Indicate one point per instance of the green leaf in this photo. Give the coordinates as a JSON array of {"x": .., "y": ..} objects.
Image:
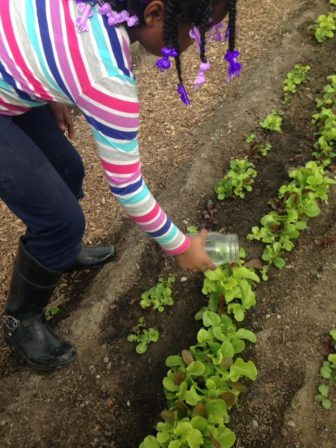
[
  {"x": 182, "y": 428},
  {"x": 333, "y": 334},
  {"x": 194, "y": 438},
  {"x": 242, "y": 333},
  {"x": 175, "y": 444},
  {"x": 174, "y": 361},
  {"x": 196, "y": 368},
  {"x": 326, "y": 403},
  {"x": 324, "y": 390},
  {"x": 216, "y": 409},
  {"x": 192, "y": 397},
  {"x": 200, "y": 423},
  {"x": 241, "y": 368},
  {"x": 227, "y": 438},
  {"x": 211, "y": 319},
  {"x": 151, "y": 442},
  {"x": 279, "y": 263}
]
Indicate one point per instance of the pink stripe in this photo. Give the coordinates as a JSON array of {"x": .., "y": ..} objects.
[
  {"x": 111, "y": 118},
  {"x": 13, "y": 107},
  {"x": 18, "y": 59},
  {"x": 122, "y": 169},
  {"x": 158, "y": 223},
  {"x": 184, "y": 246},
  {"x": 100, "y": 97},
  {"x": 118, "y": 181},
  {"x": 60, "y": 48},
  {"x": 148, "y": 217},
  {"x": 127, "y": 53}
]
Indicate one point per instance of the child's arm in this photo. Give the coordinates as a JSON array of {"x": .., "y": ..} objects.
[{"x": 114, "y": 121}]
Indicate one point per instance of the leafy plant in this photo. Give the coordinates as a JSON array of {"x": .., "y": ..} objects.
[
  {"x": 324, "y": 27},
  {"x": 332, "y": 2},
  {"x": 192, "y": 229},
  {"x": 294, "y": 78},
  {"x": 296, "y": 202},
  {"x": 325, "y": 122},
  {"x": 264, "y": 148},
  {"x": 143, "y": 336},
  {"x": 51, "y": 312},
  {"x": 272, "y": 122},
  {"x": 159, "y": 296},
  {"x": 328, "y": 373},
  {"x": 250, "y": 138},
  {"x": 237, "y": 181}
]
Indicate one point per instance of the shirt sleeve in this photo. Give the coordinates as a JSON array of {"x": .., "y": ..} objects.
[{"x": 111, "y": 108}]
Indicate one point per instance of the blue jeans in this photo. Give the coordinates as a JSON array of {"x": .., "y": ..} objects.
[{"x": 41, "y": 178}]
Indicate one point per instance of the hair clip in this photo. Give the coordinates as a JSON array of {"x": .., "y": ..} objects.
[
  {"x": 85, "y": 9},
  {"x": 200, "y": 79},
  {"x": 164, "y": 63},
  {"x": 116, "y": 18},
  {"x": 234, "y": 66},
  {"x": 183, "y": 94}
]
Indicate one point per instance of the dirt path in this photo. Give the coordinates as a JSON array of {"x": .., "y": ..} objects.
[{"x": 112, "y": 397}]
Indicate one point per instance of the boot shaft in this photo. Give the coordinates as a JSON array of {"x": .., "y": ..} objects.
[{"x": 31, "y": 286}]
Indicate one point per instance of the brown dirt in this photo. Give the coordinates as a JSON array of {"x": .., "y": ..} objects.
[{"x": 112, "y": 397}]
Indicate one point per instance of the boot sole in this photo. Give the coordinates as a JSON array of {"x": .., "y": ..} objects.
[{"x": 35, "y": 366}]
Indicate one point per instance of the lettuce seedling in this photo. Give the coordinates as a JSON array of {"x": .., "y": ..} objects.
[
  {"x": 251, "y": 138},
  {"x": 143, "y": 336},
  {"x": 324, "y": 27},
  {"x": 159, "y": 296},
  {"x": 294, "y": 78},
  {"x": 237, "y": 181},
  {"x": 272, "y": 122},
  {"x": 328, "y": 373}
]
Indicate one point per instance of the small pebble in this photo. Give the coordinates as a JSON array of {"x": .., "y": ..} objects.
[
  {"x": 268, "y": 316},
  {"x": 106, "y": 360},
  {"x": 183, "y": 279},
  {"x": 255, "y": 424},
  {"x": 109, "y": 366},
  {"x": 278, "y": 316},
  {"x": 128, "y": 403}
]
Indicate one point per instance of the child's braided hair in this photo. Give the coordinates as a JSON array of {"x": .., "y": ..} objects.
[{"x": 199, "y": 13}]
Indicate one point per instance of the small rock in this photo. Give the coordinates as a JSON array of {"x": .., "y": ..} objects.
[
  {"x": 128, "y": 403},
  {"x": 278, "y": 316},
  {"x": 255, "y": 424},
  {"x": 106, "y": 360},
  {"x": 268, "y": 316},
  {"x": 291, "y": 424},
  {"x": 183, "y": 279},
  {"x": 109, "y": 366}
]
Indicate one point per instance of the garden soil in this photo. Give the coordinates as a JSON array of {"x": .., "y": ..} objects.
[{"x": 112, "y": 397}]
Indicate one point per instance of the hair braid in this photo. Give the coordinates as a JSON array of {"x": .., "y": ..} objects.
[{"x": 232, "y": 23}]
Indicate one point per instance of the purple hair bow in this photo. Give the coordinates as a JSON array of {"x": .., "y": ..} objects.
[{"x": 234, "y": 66}]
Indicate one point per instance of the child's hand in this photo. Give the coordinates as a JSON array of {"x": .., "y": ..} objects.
[
  {"x": 195, "y": 257},
  {"x": 63, "y": 118}
]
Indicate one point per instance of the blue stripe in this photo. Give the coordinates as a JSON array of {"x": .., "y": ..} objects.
[
  {"x": 161, "y": 231},
  {"x": 31, "y": 29},
  {"x": 111, "y": 132},
  {"x": 46, "y": 42},
  {"x": 127, "y": 147},
  {"x": 9, "y": 80},
  {"x": 137, "y": 197},
  {"x": 129, "y": 189},
  {"x": 167, "y": 239},
  {"x": 116, "y": 47}
]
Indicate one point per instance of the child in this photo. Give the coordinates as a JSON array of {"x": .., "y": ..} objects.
[{"x": 77, "y": 52}]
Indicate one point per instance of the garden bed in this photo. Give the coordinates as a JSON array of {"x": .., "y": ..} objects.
[{"x": 112, "y": 397}]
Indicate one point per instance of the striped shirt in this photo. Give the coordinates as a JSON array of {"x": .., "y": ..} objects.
[{"x": 43, "y": 58}]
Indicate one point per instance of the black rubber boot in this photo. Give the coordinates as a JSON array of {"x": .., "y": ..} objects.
[
  {"x": 26, "y": 329},
  {"x": 93, "y": 257}
]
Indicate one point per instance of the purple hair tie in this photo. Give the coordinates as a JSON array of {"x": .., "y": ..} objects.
[
  {"x": 164, "y": 63},
  {"x": 204, "y": 67},
  {"x": 116, "y": 18},
  {"x": 183, "y": 94},
  {"x": 234, "y": 66},
  {"x": 85, "y": 11}
]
